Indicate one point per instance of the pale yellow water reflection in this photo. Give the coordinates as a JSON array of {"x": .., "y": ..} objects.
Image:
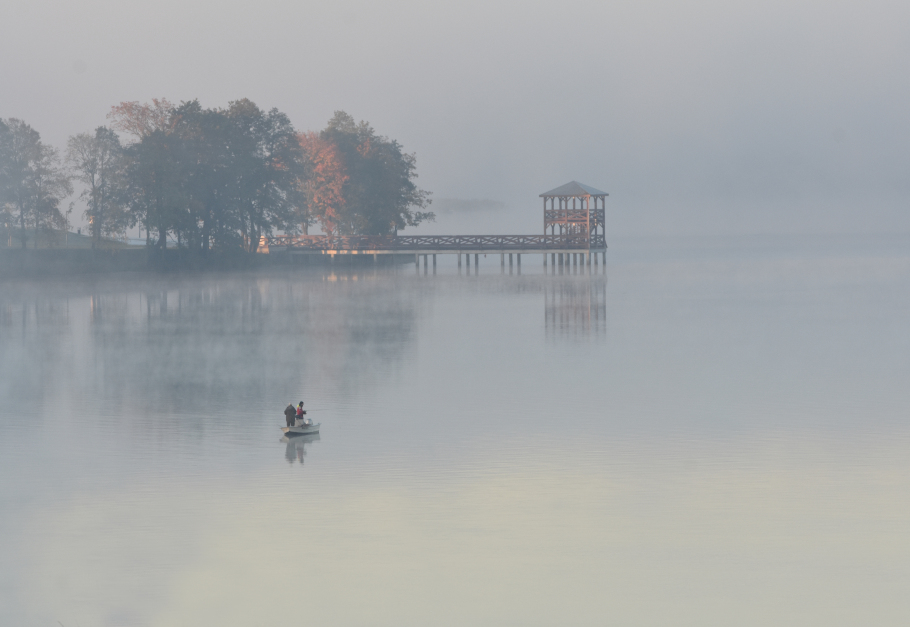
[{"x": 777, "y": 531}]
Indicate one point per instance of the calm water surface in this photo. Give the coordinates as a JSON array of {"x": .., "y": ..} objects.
[{"x": 705, "y": 432}]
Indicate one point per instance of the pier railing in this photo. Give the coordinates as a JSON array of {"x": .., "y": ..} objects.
[{"x": 453, "y": 243}]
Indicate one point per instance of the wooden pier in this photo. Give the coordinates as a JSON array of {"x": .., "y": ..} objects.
[{"x": 576, "y": 236}]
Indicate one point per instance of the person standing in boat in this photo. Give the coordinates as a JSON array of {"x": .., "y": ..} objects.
[
  {"x": 300, "y": 414},
  {"x": 289, "y": 414}
]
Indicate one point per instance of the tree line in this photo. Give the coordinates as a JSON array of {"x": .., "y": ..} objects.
[{"x": 210, "y": 178}]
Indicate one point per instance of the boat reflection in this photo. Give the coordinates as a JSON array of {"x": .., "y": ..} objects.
[{"x": 296, "y": 446}]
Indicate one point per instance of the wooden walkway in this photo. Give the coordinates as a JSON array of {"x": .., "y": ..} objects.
[{"x": 435, "y": 244}]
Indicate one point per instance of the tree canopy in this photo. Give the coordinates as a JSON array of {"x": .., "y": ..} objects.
[
  {"x": 97, "y": 161},
  {"x": 363, "y": 182},
  {"x": 32, "y": 181},
  {"x": 212, "y": 178}
]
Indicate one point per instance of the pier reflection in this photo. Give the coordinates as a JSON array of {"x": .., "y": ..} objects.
[
  {"x": 576, "y": 307},
  {"x": 575, "y": 263},
  {"x": 296, "y": 446}
]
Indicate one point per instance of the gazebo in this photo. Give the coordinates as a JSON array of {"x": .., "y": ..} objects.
[{"x": 568, "y": 209}]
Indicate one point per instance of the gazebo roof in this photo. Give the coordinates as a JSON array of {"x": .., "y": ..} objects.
[{"x": 573, "y": 188}]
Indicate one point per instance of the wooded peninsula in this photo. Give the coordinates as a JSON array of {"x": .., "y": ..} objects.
[{"x": 206, "y": 179}]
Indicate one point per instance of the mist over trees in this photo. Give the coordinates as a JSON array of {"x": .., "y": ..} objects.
[
  {"x": 96, "y": 160},
  {"x": 208, "y": 179},
  {"x": 211, "y": 178},
  {"x": 32, "y": 180}
]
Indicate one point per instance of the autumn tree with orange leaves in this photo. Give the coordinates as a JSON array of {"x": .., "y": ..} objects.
[
  {"x": 361, "y": 183},
  {"x": 324, "y": 187},
  {"x": 141, "y": 120}
]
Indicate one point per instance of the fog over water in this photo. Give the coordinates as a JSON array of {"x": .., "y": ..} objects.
[
  {"x": 697, "y": 116},
  {"x": 710, "y": 429},
  {"x": 707, "y": 431}
]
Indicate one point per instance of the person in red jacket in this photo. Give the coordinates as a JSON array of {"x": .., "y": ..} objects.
[{"x": 300, "y": 414}]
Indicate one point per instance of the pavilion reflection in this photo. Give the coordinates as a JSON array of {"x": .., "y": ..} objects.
[
  {"x": 296, "y": 446},
  {"x": 576, "y": 308}
]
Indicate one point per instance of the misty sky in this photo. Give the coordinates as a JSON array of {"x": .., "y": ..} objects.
[{"x": 699, "y": 116}]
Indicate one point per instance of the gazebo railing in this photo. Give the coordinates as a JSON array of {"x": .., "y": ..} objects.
[{"x": 572, "y": 215}]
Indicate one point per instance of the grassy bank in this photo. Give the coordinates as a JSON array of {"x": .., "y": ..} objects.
[{"x": 29, "y": 263}]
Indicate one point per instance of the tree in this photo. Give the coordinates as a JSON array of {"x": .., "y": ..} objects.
[
  {"x": 270, "y": 164},
  {"x": 152, "y": 190},
  {"x": 21, "y": 148},
  {"x": 6, "y": 218},
  {"x": 324, "y": 187},
  {"x": 153, "y": 193},
  {"x": 141, "y": 120},
  {"x": 5, "y": 155},
  {"x": 35, "y": 182},
  {"x": 379, "y": 195},
  {"x": 48, "y": 185},
  {"x": 212, "y": 177},
  {"x": 98, "y": 162},
  {"x": 209, "y": 218}
]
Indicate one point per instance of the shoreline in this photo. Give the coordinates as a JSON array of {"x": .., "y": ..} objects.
[{"x": 17, "y": 263}]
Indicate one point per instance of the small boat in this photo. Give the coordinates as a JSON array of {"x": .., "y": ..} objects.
[
  {"x": 301, "y": 429},
  {"x": 300, "y": 439}
]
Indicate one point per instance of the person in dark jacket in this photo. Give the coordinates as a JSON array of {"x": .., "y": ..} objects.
[{"x": 290, "y": 413}]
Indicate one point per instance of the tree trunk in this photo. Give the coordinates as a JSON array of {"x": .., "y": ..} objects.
[
  {"x": 159, "y": 218},
  {"x": 243, "y": 233},
  {"x": 96, "y": 220},
  {"x": 22, "y": 234},
  {"x": 206, "y": 230}
]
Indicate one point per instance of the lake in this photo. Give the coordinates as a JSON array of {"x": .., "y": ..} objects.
[{"x": 704, "y": 431}]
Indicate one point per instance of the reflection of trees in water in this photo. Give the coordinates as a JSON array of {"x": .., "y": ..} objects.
[
  {"x": 197, "y": 344},
  {"x": 576, "y": 308},
  {"x": 26, "y": 312},
  {"x": 34, "y": 344},
  {"x": 217, "y": 344}
]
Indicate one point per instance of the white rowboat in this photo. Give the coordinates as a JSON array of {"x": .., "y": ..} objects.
[{"x": 301, "y": 429}]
